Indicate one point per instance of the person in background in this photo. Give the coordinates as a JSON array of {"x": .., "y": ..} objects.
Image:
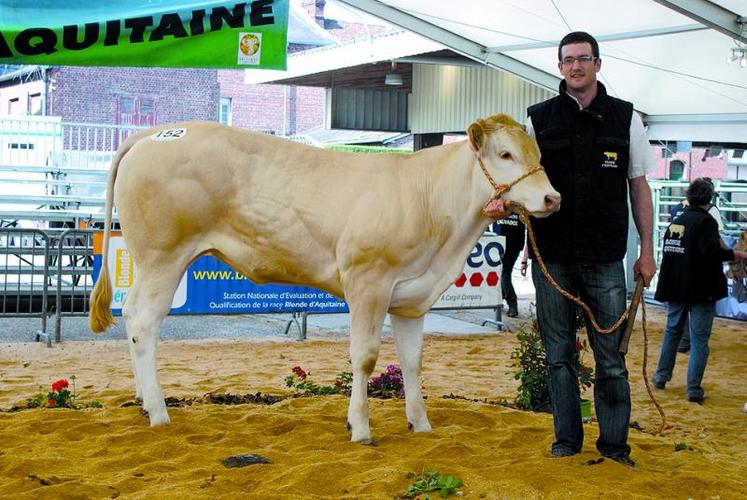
[
  {"x": 684, "y": 346},
  {"x": 691, "y": 280},
  {"x": 595, "y": 152},
  {"x": 513, "y": 229}
]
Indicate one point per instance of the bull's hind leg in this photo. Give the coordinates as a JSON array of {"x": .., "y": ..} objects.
[
  {"x": 408, "y": 334},
  {"x": 146, "y": 306},
  {"x": 366, "y": 319}
]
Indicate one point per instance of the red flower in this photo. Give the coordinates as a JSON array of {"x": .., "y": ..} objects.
[
  {"x": 52, "y": 403},
  {"x": 59, "y": 385},
  {"x": 579, "y": 346},
  {"x": 299, "y": 371}
]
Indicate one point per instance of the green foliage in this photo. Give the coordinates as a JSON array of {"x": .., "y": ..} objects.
[
  {"x": 531, "y": 369},
  {"x": 680, "y": 447},
  {"x": 433, "y": 481},
  {"x": 584, "y": 373},
  {"x": 389, "y": 384},
  {"x": 299, "y": 380},
  {"x": 353, "y": 148},
  {"x": 60, "y": 396}
]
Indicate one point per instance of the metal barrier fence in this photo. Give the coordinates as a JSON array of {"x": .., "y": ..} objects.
[
  {"x": 24, "y": 267},
  {"x": 34, "y": 264},
  {"x": 74, "y": 277}
]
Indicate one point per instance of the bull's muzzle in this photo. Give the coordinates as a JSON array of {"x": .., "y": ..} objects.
[{"x": 552, "y": 202}]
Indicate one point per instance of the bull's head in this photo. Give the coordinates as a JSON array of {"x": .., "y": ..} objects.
[{"x": 511, "y": 163}]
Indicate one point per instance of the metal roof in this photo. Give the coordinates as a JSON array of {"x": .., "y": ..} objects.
[{"x": 668, "y": 57}]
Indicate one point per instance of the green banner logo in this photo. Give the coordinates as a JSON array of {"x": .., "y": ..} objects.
[{"x": 166, "y": 33}]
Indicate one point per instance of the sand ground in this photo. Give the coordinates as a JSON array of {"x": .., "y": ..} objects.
[{"x": 498, "y": 452}]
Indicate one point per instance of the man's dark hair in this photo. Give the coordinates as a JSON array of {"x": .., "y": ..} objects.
[
  {"x": 700, "y": 192},
  {"x": 578, "y": 37}
]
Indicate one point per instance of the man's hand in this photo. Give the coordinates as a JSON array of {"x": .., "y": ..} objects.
[{"x": 646, "y": 268}]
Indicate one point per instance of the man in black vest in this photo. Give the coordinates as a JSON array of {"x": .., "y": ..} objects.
[
  {"x": 691, "y": 281},
  {"x": 594, "y": 149},
  {"x": 513, "y": 229}
]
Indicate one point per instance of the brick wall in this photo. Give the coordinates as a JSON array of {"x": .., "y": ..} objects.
[
  {"x": 89, "y": 94},
  {"x": 281, "y": 109},
  {"x": 714, "y": 167}
]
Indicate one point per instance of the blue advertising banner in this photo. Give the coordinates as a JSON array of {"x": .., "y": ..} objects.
[{"x": 210, "y": 286}]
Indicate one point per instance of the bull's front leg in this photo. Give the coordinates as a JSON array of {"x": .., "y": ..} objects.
[
  {"x": 408, "y": 334},
  {"x": 366, "y": 319}
]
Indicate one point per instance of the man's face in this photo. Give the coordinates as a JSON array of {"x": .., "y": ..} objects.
[{"x": 579, "y": 75}]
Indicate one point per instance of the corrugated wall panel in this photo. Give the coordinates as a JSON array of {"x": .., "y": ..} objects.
[
  {"x": 363, "y": 109},
  {"x": 449, "y": 98}
]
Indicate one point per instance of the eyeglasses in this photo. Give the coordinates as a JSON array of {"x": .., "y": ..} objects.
[{"x": 585, "y": 59}]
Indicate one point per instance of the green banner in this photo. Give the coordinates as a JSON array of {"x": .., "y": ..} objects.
[{"x": 166, "y": 33}]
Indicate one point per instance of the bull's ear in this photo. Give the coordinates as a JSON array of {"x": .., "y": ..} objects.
[{"x": 476, "y": 135}]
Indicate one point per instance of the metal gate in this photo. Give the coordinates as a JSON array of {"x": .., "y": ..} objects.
[{"x": 24, "y": 271}]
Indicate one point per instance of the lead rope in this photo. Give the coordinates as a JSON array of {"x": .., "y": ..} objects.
[
  {"x": 500, "y": 190},
  {"x": 524, "y": 216}
]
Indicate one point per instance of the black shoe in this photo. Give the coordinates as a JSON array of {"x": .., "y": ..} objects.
[
  {"x": 659, "y": 385},
  {"x": 512, "y": 312},
  {"x": 562, "y": 452},
  {"x": 625, "y": 460},
  {"x": 684, "y": 349},
  {"x": 696, "y": 399}
]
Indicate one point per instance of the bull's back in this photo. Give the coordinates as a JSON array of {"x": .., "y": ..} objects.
[{"x": 273, "y": 209}]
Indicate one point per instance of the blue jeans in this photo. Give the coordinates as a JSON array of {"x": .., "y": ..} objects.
[
  {"x": 602, "y": 287},
  {"x": 701, "y": 321}
]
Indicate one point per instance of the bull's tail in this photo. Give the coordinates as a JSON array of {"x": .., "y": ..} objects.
[{"x": 100, "y": 316}]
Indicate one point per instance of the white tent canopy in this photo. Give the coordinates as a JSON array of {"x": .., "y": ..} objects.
[{"x": 668, "y": 57}]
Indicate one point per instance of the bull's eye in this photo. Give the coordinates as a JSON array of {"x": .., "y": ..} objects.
[{"x": 504, "y": 155}]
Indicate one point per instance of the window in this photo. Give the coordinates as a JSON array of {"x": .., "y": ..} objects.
[
  {"x": 14, "y": 106},
  {"x": 737, "y": 173},
  {"x": 139, "y": 111},
  {"x": 127, "y": 104},
  {"x": 669, "y": 149},
  {"x": 224, "y": 111},
  {"x": 34, "y": 106}
]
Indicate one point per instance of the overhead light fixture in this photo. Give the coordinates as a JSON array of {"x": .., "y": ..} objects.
[
  {"x": 739, "y": 54},
  {"x": 393, "y": 78}
]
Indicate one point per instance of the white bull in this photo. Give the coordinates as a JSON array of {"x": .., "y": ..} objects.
[{"x": 386, "y": 232}]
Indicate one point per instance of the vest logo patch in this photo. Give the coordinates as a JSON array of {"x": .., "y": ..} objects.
[
  {"x": 610, "y": 159},
  {"x": 676, "y": 231},
  {"x": 673, "y": 239}
]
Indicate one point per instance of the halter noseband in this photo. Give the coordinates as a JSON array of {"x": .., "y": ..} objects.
[{"x": 500, "y": 190}]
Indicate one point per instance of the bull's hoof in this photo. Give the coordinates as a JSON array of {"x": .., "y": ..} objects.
[
  {"x": 350, "y": 427},
  {"x": 426, "y": 427},
  {"x": 159, "y": 417},
  {"x": 366, "y": 441}
]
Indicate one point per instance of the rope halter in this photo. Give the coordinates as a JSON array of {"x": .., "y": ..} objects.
[{"x": 501, "y": 189}]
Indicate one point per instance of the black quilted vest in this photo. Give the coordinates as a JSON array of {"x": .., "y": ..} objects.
[{"x": 585, "y": 154}]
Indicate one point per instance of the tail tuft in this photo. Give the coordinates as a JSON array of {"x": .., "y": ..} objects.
[{"x": 100, "y": 316}]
